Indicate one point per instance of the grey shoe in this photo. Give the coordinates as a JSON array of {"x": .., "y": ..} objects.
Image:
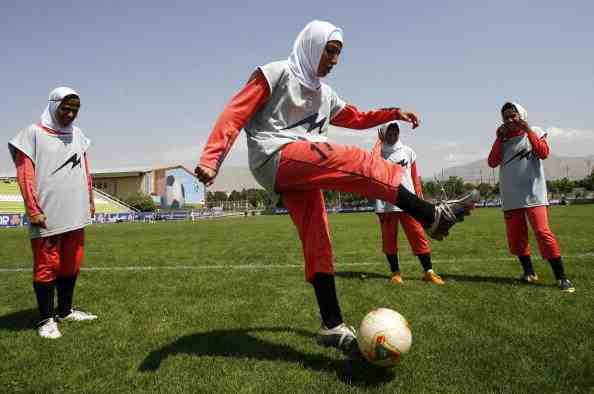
[
  {"x": 76, "y": 315},
  {"x": 450, "y": 212},
  {"x": 341, "y": 337},
  {"x": 566, "y": 286},
  {"x": 529, "y": 278}
]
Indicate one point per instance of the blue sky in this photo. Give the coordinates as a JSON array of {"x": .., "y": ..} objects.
[{"x": 153, "y": 76}]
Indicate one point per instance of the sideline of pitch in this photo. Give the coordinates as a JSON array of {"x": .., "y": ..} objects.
[{"x": 274, "y": 266}]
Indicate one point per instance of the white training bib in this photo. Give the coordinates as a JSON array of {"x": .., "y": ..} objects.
[
  {"x": 521, "y": 175},
  {"x": 60, "y": 175},
  {"x": 293, "y": 112},
  {"x": 404, "y": 156}
]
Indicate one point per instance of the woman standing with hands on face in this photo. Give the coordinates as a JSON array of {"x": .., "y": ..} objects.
[{"x": 518, "y": 152}]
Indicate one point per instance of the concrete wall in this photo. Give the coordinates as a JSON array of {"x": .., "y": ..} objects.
[{"x": 120, "y": 187}]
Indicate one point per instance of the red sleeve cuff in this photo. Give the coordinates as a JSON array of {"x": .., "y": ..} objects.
[
  {"x": 212, "y": 164},
  {"x": 351, "y": 118}
]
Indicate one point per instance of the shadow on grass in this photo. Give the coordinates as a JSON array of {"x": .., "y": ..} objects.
[
  {"x": 19, "y": 321},
  {"x": 491, "y": 279},
  {"x": 360, "y": 275},
  {"x": 241, "y": 344}
]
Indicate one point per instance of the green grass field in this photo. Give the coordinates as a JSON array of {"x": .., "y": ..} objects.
[{"x": 221, "y": 306}]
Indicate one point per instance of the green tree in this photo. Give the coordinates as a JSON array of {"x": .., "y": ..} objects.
[
  {"x": 353, "y": 200},
  {"x": 255, "y": 198},
  {"x": 588, "y": 182},
  {"x": 565, "y": 185},
  {"x": 430, "y": 189},
  {"x": 454, "y": 186},
  {"x": 214, "y": 199},
  {"x": 220, "y": 196},
  {"x": 264, "y": 197},
  {"x": 496, "y": 189},
  {"x": 552, "y": 188},
  {"x": 141, "y": 202},
  {"x": 485, "y": 189},
  {"x": 469, "y": 186},
  {"x": 235, "y": 196}
]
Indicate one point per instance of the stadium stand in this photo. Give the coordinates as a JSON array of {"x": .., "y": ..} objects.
[
  {"x": 12, "y": 202},
  {"x": 10, "y": 198},
  {"x": 104, "y": 203}
]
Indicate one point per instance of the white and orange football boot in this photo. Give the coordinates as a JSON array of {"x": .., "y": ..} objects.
[
  {"x": 432, "y": 277},
  {"x": 396, "y": 278}
]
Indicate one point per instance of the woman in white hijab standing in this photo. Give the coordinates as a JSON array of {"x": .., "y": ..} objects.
[
  {"x": 390, "y": 147},
  {"x": 285, "y": 110},
  {"x": 54, "y": 178},
  {"x": 518, "y": 152}
]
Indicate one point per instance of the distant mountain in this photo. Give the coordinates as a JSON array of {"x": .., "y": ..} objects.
[
  {"x": 556, "y": 167},
  {"x": 234, "y": 178}
]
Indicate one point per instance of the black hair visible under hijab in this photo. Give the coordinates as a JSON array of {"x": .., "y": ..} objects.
[
  {"x": 393, "y": 125},
  {"x": 507, "y": 106}
]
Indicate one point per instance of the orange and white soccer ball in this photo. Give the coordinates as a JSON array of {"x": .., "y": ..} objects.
[{"x": 384, "y": 335}]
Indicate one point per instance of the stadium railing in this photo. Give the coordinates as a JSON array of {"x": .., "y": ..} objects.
[{"x": 117, "y": 200}]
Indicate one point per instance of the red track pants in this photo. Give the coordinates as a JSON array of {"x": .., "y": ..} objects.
[
  {"x": 517, "y": 232},
  {"x": 306, "y": 168},
  {"x": 413, "y": 230},
  {"x": 58, "y": 255}
]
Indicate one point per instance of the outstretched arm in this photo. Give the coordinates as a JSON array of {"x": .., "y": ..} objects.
[
  {"x": 230, "y": 122},
  {"x": 351, "y": 118}
]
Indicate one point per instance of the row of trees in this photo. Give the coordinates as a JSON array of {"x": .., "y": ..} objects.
[
  {"x": 253, "y": 198},
  {"x": 565, "y": 186},
  {"x": 432, "y": 189},
  {"x": 456, "y": 186}
]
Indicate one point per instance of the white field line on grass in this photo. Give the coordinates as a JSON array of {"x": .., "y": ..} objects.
[{"x": 275, "y": 266}]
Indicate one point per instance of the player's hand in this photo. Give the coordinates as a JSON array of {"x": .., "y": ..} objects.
[
  {"x": 411, "y": 118},
  {"x": 205, "y": 175},
  {"x": 38, "y": 220},
  {"x": 523, "y": 125},
  {"x": 381, "y": 134},
  {"x": 502, "y": 131}
]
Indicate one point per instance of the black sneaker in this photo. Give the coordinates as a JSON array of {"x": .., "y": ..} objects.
[
  {"x": 566, "y": 286},
  {"x": 451, "y": 212}
]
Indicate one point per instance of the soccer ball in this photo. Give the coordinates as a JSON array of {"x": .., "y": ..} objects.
[{"x": 383, "y": 336}]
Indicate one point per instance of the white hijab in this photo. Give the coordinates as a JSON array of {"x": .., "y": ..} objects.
[
  {"x": 383, "y": 129},
  {"x": 307, "y": 51},
  {"x": 521, "y": 111},
  {"x": 48, "y": 117}
]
